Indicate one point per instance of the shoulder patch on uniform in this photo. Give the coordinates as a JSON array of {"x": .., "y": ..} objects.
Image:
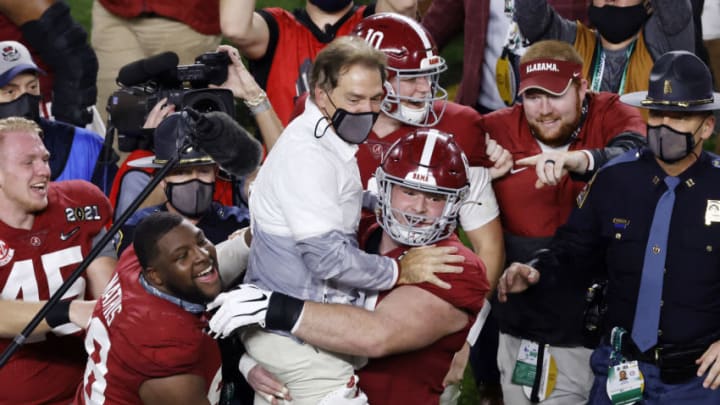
[
  {"x": 716, "y": 163},
  {"x": 582, "y": 195}
]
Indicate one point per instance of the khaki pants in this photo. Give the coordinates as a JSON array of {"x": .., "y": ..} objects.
[
  {"x": 308, "y": 372},
  {"x": 119, "y": 41},
  {"x": 574, "y": 380}
]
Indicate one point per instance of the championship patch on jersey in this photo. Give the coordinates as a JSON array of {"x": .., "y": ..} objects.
[
  {"x": 6, "y": 253},
  {"x": 716, "y": 163},
  {"x": 85, "y": 213}
]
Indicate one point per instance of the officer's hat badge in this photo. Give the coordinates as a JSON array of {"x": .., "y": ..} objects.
[{"x": 667, "y": 87}]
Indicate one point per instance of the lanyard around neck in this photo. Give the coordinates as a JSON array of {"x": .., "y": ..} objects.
[{"x": 599, "y": 68}]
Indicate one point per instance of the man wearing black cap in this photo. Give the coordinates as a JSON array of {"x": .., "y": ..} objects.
[
  {"x": 189, "y": 187},
  {"x": 648, "y": 222}
]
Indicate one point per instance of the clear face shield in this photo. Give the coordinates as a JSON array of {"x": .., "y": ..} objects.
[{"x": 412, "y": 109}]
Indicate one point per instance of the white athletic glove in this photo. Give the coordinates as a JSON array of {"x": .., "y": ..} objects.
[{"x": 246, "y": 305}]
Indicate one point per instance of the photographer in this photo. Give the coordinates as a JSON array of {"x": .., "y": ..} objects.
[
  {"x": 75, "y": 153},
  {"x": 130, "y": 181}
]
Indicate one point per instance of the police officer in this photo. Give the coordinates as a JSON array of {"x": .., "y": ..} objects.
[
  {"x": 189, "y": 187},
  {"x": 648, "y": 222}
]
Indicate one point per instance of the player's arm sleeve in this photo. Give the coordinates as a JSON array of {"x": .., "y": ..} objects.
[
  {"x": 62, "y": 44},
  {"x": 480, "y": 206},
  {"x": 670, "y": 27},
  {"x": 537, "y": 20}
]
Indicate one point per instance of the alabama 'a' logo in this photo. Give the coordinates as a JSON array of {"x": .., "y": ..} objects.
[{"x": 6, "y": 253}]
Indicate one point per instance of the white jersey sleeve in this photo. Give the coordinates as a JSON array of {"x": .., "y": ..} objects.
[{"x": 480, "y": 206}]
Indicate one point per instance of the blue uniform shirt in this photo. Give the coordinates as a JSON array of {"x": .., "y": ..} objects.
[{"x": 608, "y": 231}]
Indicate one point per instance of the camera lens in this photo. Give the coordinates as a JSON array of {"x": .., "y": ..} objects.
[
  {"x": 204, "y": 105},
  {"x": 208, "y": 100}
]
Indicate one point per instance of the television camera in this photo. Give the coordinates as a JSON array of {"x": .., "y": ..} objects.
[{"x": 145, "y": 82}]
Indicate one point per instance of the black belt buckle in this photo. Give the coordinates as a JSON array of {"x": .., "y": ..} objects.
[{"x": 677, "y": 366}]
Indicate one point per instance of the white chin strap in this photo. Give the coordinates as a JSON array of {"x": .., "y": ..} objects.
[{"x": 413, "y": 116}]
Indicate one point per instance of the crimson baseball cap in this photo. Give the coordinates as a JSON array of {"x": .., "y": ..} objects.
[
  {"x": 550, "y": 75},
  {"x": 15, "y": 59}
]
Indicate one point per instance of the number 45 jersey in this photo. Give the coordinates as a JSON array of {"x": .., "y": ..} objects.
[{"x": 33, "y": 264}]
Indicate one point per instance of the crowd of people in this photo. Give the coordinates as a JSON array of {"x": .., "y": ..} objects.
[{"x": 329, "y": 227}]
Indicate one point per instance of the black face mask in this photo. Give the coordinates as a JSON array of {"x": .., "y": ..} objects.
[
  {"x": 668, "y": 144},
  {"x": 191, "y": 198},
  {"x": 616, "y": 24},
  {"x": 26, "y": 106},
  {"x": 331, "y": 6}
]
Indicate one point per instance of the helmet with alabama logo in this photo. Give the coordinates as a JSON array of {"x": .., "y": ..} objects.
[
  {"x": 411, "y": 56},
  {"x": 423, "y": 161}
]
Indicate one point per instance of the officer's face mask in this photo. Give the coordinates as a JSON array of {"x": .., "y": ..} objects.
[
  {"x": 670, "y": 145},
  {"x": 352, "y": 127},
  {"x": 616, "y": 24},
  {"x": 331, "y": 6},
  {"x": 26, "y": 106},
  {"x": 191, "y": 198}
]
